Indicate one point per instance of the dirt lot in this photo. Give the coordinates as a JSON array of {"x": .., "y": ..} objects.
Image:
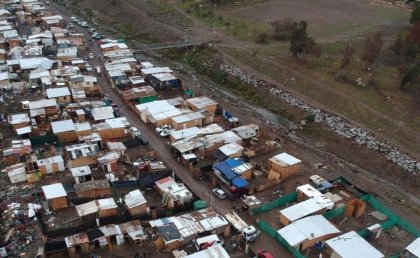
[{"x": 330, "y": 20}]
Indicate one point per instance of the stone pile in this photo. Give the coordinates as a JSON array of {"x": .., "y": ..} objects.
[{"x": 337, "y": 124}]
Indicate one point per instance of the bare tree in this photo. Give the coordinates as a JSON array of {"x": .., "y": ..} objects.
[
  {"x": 372, "y": 48},
  {"x": 347, "y": 56}
]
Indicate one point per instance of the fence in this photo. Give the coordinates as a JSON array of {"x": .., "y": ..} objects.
[
  {"x": 276, "y": 203},
  {"x": 392, "y": 219}
]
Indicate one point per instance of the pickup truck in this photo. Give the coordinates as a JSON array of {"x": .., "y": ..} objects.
[{"x": 248, "y": 232}]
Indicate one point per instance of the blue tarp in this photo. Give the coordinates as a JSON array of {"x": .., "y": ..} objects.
[
  {"x": 239, "y": 182},
  {"x": 233, "y": 163},
  {"x": 226, "y": 114},
  {"x": 226, "y": 171}
]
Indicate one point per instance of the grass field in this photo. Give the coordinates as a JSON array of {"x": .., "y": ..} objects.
[{"x": 329, "y": 20}]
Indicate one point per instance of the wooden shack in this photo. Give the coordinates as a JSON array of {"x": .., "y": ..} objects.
[
  {"x": 202, "y": 103},
  {"x": 187, "y": 120},
  {"x": 19, "y": 120},
  {"x": 56, "y": 196},
  {"x": 93, "y": 189},
  {"x": 283, "y": 166},
  {"x": 135, "y": 203},
  {"x": 107, "y": 207},
  {"x": 51, "y": 165},
  {"x": 65, "y": 130}
]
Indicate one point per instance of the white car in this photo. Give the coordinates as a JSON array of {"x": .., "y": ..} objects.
[
  {"x": 89, "y": 68},
  {"x": 163, "y": 127},
  {"x": 316, "y": 179},
  {"x": 84, "y": 24},
  {"x": 73, "y": 19},
  {"x": 91, "y": 56},
  {"x": 219, "y": 193},
  {"x": 165, "y": 133}
]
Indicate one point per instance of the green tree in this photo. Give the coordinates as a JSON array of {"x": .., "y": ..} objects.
[
  {"x": 299, "y": 38},
  {"x": 410, "y": 75},
  {"x": 415, "y": 13}
]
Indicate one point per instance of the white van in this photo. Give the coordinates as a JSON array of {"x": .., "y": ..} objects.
[
  {"x": 98, "y": 70},
  {"x": 203, "y": 243}
]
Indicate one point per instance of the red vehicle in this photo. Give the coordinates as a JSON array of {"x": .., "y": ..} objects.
[{"x": 264, "y": 254}]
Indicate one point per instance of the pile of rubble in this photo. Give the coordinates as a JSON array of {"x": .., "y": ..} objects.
[{"x": 336, "y": 123}]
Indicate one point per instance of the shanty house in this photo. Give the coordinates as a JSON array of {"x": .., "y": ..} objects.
[
  {"x": 230, "y": 150},
  {"x": 19, "y": 120},
  {"x": 108, "y": 161},
  {"x": 82, "y": 154},
  {"x": 66, "y": 54},
  {"x": 187, "y": 120},
  {"x": 88, "y": 83},
  {"x": 139, "y": 95},
  {"x": 163, "y": 184},
  {"x": 43, "y": 107},
  {"x": 83, "y": 129},
  {"x": 351, "y": 245},
  {"x": 65, "y": 130},
  {"x": 135, "y": 203},
  {"x": 16, "y": 173},
  {"x": 229, "y": 169},
  {"x": 282, "y": 166},
  {"x": 312, "y": 206},
  {"x": 107, "y": 207},
  {"x": 93, "y": 189},
  {"x": 51, "y": 165},
  {"x": 56, "y": 196},
  {"x": 177, "y": 194},
  {"x": 61, "y": 95},
  {"x": 112, "y": 128},
  {"x": 81, "y": 174},
  {"x": 102, "y": 113},
  {"x": 202, "y": 103},
  {"x": 305, "y": 232}
]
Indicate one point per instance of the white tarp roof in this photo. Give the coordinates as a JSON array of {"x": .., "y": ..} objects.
[
  {"x": 102, "y": 113},
  {"x": 352, "y": 245},
  {"x": 54, "y": 191},
  {"x": 23, "y": 130},
  {"x": 105, "y": 204},
  {"x": 63, "y": 126},
  {"x": 414, "y": 247},
  {"x": 34, "y": 63},
  {"x": 307, "y": 207},
  {"x": 42, "y": 103},
  {"x": 187, "y": 117},
  {"x": 134, "y": 198},
  {"x": 153, "y": 70},
  {"x": 58, "y": 92},
  {"x": 87, "y": 208},
  {"x": 306, "y": 229},
  {"x": 211, "y": 252},
  {"x": 231, "y": 148},
  {"x": 286, "y": 159}
]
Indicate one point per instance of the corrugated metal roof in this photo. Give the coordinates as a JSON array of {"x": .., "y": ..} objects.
[
  {"x": 54, "y": 191},
  {"x": 352, "y": 245},
  {"x": 63, "y": 126},
  {"x": 58, "y": 92}
]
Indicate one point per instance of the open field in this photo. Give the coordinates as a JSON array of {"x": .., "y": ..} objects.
[{"x": 329, "y": 20}]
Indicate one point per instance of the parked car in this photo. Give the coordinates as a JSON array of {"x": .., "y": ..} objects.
[
  {"x": 219, "y": 193},
  {"x": 163, "y": 127},
  {"x": 142, "y": 140},
  {"x": 84, "y": 24},
  {"x": 91, "y": 56},
  {"x": 24, "y": 37},
  {"x": 89, "y": 68},
  {"x": 316, "y": 179},
  {"x": 165, "y": 133},
  {"x": 73, "y": 19},
  {"x": 134, "y": 131},
  {"x": 264, "y": 254}
]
